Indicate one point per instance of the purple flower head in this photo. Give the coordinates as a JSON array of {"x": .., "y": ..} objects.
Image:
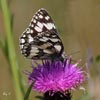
[{"x": 56, "y": 76}]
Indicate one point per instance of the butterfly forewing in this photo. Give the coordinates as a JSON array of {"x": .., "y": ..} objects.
[{"x": 40, "y": 40}]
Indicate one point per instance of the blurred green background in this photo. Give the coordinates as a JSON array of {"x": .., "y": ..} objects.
[{"x": 78, "y": 23}]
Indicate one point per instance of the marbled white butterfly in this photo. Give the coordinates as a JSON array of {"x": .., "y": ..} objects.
[{"x": 40, "y": 40}]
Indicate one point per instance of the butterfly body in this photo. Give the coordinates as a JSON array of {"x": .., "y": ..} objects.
[{"x": 40, "y": 40}]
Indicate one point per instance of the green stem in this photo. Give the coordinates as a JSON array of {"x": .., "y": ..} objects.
[{"x": 11, "y": 50}]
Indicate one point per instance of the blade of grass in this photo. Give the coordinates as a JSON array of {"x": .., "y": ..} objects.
[
  {"x": 28, "y": 92},
  {"x": 2, "y": 45},
  {"x": 11, "y": 50},
  {"x": 4, "y": 48}
]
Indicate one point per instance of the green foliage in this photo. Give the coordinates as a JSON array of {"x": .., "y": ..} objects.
[
  {"x": 98, "y": 58},
  {"x": 28, "y": 92},
  {"x": 39, "y": 97},
  {"x": 1, "y": 45},
  {"x": 4, "y": 48},
  {"x": 8, "y": 48}
]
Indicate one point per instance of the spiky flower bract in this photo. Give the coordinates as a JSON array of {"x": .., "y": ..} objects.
[{"x": 56, "y": 76}]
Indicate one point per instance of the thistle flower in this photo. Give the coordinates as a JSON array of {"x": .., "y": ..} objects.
[{"x": 56, "y": 79}]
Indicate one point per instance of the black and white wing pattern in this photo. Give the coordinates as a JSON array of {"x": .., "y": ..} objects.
[{"x": 40, "y": 40}]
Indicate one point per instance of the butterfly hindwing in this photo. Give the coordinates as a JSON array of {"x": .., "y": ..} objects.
[{"x": 40, "y": 40}]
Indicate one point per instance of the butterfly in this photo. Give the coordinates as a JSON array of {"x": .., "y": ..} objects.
[{"x": 40, "y": 39}]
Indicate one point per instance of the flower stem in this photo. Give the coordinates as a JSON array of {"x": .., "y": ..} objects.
[{"x": 11, "y": 50}]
